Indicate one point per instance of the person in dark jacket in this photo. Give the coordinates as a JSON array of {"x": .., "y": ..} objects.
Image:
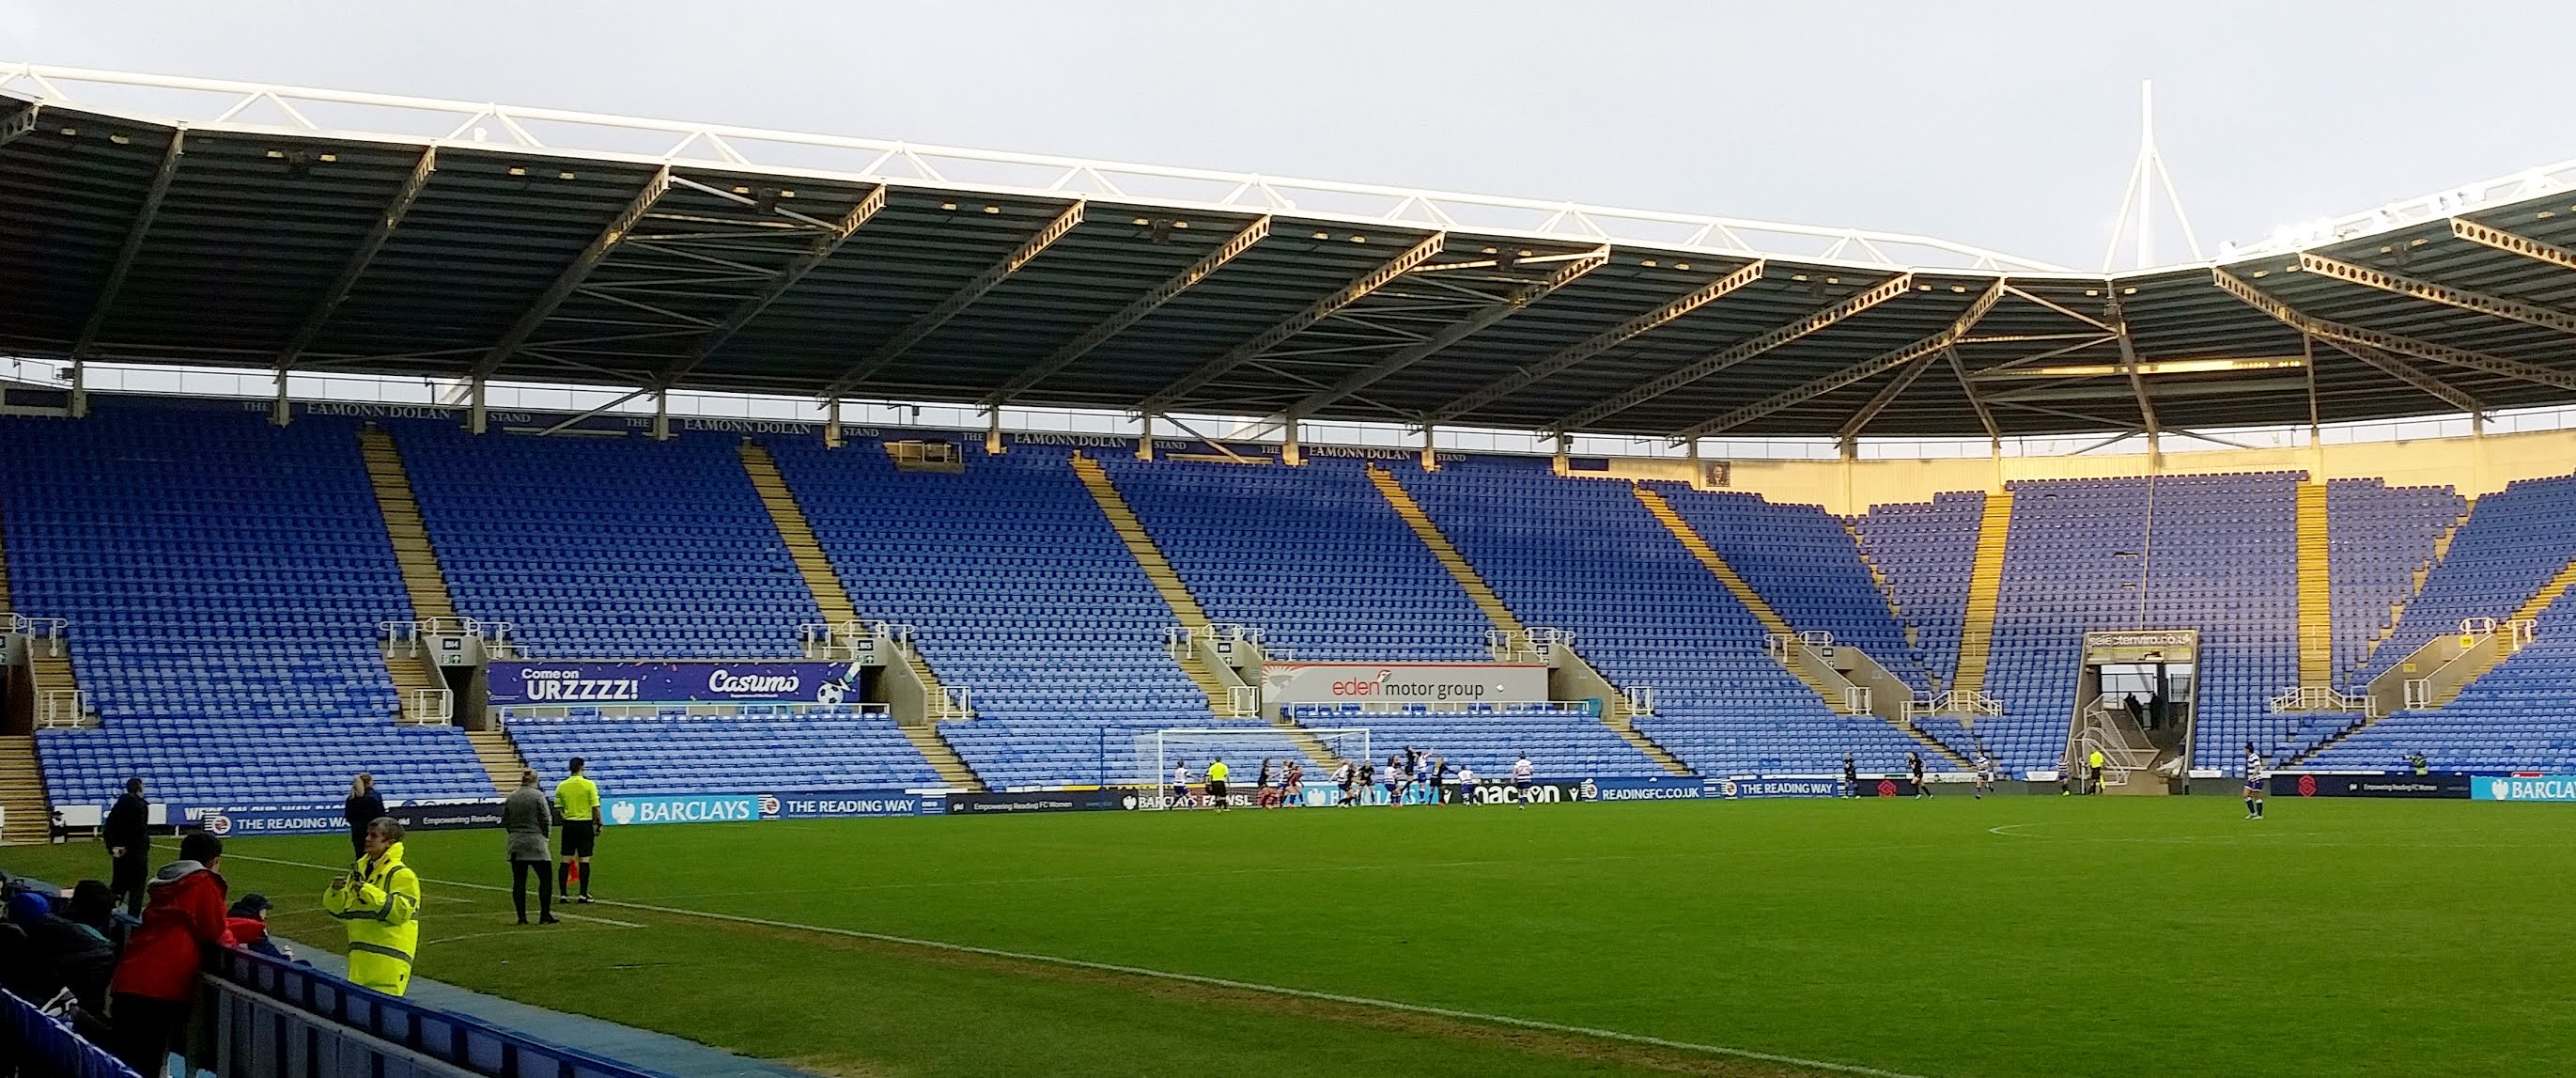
[
  {"x": 363, "y": 809},
  {"x": 156, "y": 982},
  {"x": 248, "y": 923},
  {"x": 128, "y": 834},
  {"x": 526, "y": 820},
  {"x": 72, "y": 955}
]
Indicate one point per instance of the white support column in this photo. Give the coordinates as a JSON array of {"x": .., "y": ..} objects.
[
  {"x": 993, "y": 430},
  {"x": 662, "y": 415},
  {"x": 1145, "y": 444},
  {"x": 1430, "y": 450},
  {"x": 475, "y": 413},
  {"x": 1564, "y": 449},
  {"x": 79, "y": 408},
  {"x": 1290, "y": 452},
  {"x": 281, "y": 411},
  {"x": 832, "y": 424}
]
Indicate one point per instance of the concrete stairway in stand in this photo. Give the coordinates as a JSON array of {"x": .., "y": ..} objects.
[
  {"x": 1185, "y": 607},
  {"x": 499, "y": 756},
  {"x": 833, "y": 600},
  {"x": 1985, "y": 588},
  {"x": 1770, "y": 618},
  {"x": 29, "y": 817},
  {"x": 2316, "y": 597},
  {"x": 423, "y": 580},
  {"x": 1614, "y": 707}
]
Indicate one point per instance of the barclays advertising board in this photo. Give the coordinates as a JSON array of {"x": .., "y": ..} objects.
[
  {"x": 733, "y": 808},
  {"x": 2532, "y": 788},
  {"x": 525, "y": 683}
]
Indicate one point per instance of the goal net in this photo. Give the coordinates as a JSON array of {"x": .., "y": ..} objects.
[{"x": 1160, "y": 753}]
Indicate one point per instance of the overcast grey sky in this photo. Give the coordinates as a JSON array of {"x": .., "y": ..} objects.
[{"x": 2006, "y": 125}]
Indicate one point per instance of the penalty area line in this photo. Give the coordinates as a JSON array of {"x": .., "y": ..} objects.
[{"x": 1212, "y": 982}]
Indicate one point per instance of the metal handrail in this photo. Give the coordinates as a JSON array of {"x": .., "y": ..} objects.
[
  {"x": 429, "y": 707},
  {"x": 63, "y": 709}
]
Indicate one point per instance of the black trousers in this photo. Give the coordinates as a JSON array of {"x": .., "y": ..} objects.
[
  {"x": 357, "y": 842},
  {"x": 146, "y": 1031},
  {"x": 519, "y": 872},
  {"x": 128, "y": 877}
]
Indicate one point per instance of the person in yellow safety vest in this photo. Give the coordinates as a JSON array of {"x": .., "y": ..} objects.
[
  {"x": 2096, "y": 777},
  {"x": 379, "y": 901}
]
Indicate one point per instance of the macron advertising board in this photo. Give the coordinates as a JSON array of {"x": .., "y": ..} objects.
[{"x": 524, "y": 683}]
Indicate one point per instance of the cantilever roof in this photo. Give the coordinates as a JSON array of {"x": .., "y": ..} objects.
[{"x": 157, "y": 220}]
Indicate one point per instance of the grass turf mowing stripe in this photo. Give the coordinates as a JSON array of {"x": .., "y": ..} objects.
[{"x": 1203, "y": 980}]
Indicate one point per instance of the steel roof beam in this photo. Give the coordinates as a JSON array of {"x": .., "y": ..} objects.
[
  {"x": 1171, "y": 289},
  {"x": 19, "y": 123},
  {"x": 1913, "y": 353},
  {"x": 2418, "y": 288},
  {"x": 383, "y": 230},
  {"x": 1968, "y": 386},
  {"x": 2403, "y": 371},
  {"x": 827, "y": 241},
  {"x": 920, "y": 328},
  {"x": 2486, "y": 235},
  {"x": 1390, "y": 272},
  {"x": 2340, "y": 334},
  {"x": 2119, "y": 320},
  {"x": 1723, "y": 358},
  {"x": 617, "y": 232},
  {"x": 143, "y": 215},
  {"x": 1482, "y": 319},
  {"x": 1567, "y": 358},
  {"x": 1895, "y": 388}
]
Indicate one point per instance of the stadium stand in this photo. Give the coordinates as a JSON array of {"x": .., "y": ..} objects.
[
  {"x": 1927, "y": 550},
  {"x": 1312, "y": 555},
  {"x": 1807, "y": 565},
  {"x": 1585, "y": 555},
  {"x": 225, "y": 581},
  {"x": 2219, "y": 555},
  {"x": 808, "y": 752},
  {"x": 2381, "y": 537},
  {"x": 622, "y": 548},
  {"x": 2514, "y": 541},
  {"x": 2520, "y": 716}
]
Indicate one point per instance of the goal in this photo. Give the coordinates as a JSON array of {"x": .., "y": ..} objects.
[{"x": 1243, "y": 748}]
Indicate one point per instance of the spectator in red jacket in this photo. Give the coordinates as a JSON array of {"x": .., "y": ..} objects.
[
  {"x": 156, "y": 981},
  {"x": 249, "y": 925}
]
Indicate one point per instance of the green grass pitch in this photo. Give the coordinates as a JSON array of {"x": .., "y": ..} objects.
[{"x": 2012, "y": 936}]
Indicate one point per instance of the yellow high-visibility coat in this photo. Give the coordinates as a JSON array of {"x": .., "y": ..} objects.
[{"x": 380, "y": 905}]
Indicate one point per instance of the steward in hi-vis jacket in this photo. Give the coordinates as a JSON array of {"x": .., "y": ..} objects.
[{"x": 379, "y": 902}]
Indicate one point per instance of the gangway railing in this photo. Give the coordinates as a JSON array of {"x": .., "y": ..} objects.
[
  {"x": 1242, "y": 701},
  {"x": 53, "y": 631},
  {"x": 1535, "y": 642},
  {"x": 2325, "y": 698},
  {"x": 413, "y": 635},
  {"x": 63, "y": 709},
  {"x": 1964, "y": 704},
  {"x": 429, "y": 707},
  {"x": 1640, "y": 699},
  {"x": 955, "y": 704}
]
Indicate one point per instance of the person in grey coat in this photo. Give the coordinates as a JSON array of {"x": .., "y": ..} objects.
[{"x": 526, "y": 818}]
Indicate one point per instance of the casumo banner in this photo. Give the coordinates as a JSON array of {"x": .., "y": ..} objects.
[
  {"x": 333, "y": 819},
  {"x": 2524, "y": 788},
  {"x": 2427, "y": 786},
  {"x": 523, "y": 683},
  {"x": 1402, "y": 683}
]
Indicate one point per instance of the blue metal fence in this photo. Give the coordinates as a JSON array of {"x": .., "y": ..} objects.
[
  {"x": 41, "y": 1046},
  {"x": 280, "y": 1018}
]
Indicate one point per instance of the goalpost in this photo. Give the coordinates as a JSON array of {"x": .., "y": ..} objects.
[{"x": 1242, "y": 748}]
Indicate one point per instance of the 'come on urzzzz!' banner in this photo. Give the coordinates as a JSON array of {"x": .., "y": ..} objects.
[{"x": 577, "y": 683}]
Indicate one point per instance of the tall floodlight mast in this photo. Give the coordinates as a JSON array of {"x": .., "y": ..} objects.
[{"x": 2137, "y": 202}]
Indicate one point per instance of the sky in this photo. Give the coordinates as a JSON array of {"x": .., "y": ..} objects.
[{"x": 2006, "y": 125}]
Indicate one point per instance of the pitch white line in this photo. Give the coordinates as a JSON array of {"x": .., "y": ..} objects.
[{"x": 1213, "y": 982}]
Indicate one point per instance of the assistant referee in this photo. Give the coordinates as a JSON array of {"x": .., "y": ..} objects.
[{"x": 577, "y": 805}]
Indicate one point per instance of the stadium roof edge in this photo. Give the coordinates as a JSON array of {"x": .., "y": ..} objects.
[
  {"x": 724, "y": 146},
  {"x": 709, "y": 257}
]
